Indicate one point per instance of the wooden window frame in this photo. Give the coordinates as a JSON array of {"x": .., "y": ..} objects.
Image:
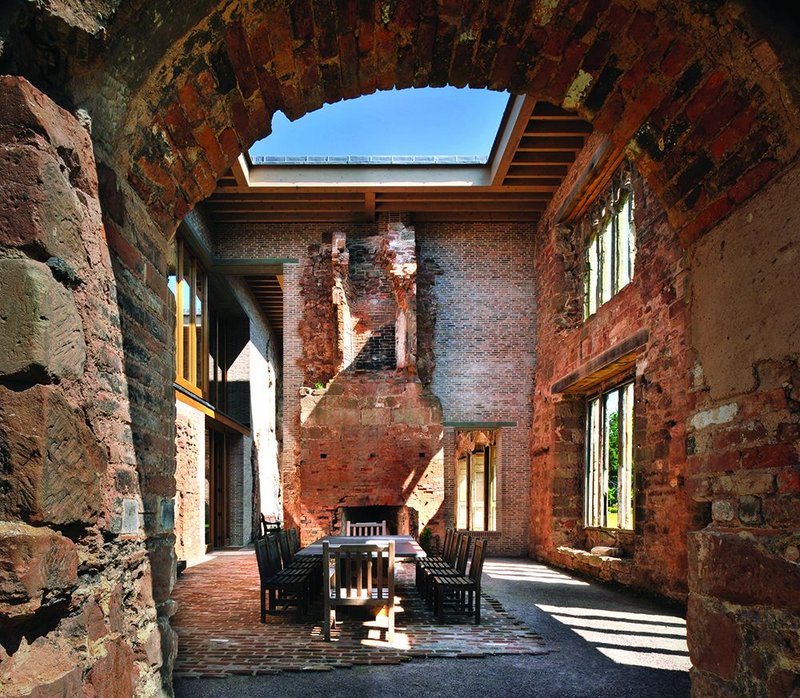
[
  {"x": 605, "y": 217},
  {"x": 489, "y": 452},
  {"x": 596, "y": 470},
  {"x": 189, "y": 269}
]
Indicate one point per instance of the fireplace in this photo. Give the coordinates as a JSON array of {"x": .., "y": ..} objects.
[{"x": 400, "y": 520}]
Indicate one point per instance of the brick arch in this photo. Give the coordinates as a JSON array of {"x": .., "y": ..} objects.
[{"x": 702, "y": 109}]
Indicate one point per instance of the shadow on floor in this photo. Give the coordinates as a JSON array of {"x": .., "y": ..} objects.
[{"x": 602, "y": 642}]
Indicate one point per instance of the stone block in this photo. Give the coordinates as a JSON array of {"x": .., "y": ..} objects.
[
  {"x": 41, "y": 335},
  {"x": 744, "y": 568},
  {"x": 115, "y": 674},
  {"x": 37, "y": 566},
  {"x": 714, "y": 640},
  {"x": 39, "y": 210},
  {"x": 25, "y": 110},
  {"x": 52, "y": 466}
]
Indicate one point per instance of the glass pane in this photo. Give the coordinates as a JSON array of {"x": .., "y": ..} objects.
[
  {"x": 626, "y": 493},
  {"x": 592, "y": 276},
  {"x": 186, "y": 323},
  {"x": 606, "y": 245},
  {"x": 611, "y": 439},
  {"x": 624, "y": 245},
  {"x": 477, "y": 485},
  {"x": 199, "y": 302},
  {"x": 593, "y": 470},
  {"x": 461, "y": 493},
  {"x": 492, "y": 491}
]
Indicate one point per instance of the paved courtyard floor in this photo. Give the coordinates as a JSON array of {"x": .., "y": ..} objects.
[
  {"x": 220, "y": 633},
  {"x": 543, "y": 633}
]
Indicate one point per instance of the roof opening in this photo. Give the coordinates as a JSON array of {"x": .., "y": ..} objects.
[{"x": 443, "y": 125}]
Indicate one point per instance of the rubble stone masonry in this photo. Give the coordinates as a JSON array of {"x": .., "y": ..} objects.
[{"x": 77, "y": 606}]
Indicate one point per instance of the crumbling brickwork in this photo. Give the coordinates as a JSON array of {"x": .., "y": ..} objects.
[
  {"x": 653, "y": 307},
  {"x": 744, "y": 450}
]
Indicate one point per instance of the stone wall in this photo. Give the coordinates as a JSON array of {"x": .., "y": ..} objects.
[
  {"x": 190, "y": 540},
  {"x": 744, "y": 450},
  {"x": 78, "y": 611},
  {"x": 649, "y": 315}
]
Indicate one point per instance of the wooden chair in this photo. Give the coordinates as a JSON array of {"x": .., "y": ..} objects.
[
  {"x": 424, "y": 563},
  {"x": 286, "y": 587},
  {"x": 269, "y": 525},
  {"x": 465, "y": 591},
  {"x": 457, "y": 568},
  {"x": 373, "y": 528},
  {"x": 357, "y": 575}
]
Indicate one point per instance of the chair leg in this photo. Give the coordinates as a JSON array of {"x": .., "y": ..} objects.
[
  {"x": 326, "y": 622},
  {"x": 390, "y": 630},
  {"x": 263, "y": 605},
  {"x": 438, "y": 592},
  {"x": 477, "y": 593}
]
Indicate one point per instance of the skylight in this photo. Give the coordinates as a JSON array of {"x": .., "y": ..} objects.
[{"x": 414, "y": 126}]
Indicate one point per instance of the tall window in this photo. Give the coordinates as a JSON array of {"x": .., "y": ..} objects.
[
  {"x": 609, "y": 494},
  {"x": 612, "y": 244},
  {"x": 476, "y": 482},
  {"x": 187, "y": 281}
]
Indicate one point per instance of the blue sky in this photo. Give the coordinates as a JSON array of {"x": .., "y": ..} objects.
[{"x": 425, "y": 121}]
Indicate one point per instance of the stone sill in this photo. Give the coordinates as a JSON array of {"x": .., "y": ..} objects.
[{"x": 594, "y": 560}]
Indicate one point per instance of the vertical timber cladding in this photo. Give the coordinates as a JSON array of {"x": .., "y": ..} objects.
[
  {"x": 72, "y": 514},
  {"x": 476, "y": 314}
]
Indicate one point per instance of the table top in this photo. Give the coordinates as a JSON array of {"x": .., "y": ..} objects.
[{"x": 404, "y": 546}]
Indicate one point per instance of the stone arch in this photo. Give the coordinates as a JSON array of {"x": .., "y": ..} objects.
[
  {"x": 696, "y": 91},
  {"x": 680, "y": 85}
]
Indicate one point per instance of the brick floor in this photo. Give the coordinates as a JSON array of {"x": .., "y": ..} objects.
[{"x": 220, "y": 633}]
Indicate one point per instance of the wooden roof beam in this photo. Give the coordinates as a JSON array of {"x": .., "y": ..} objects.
[{"x": 521, "y": 111}]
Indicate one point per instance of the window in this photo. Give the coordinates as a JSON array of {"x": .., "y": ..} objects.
[
  {"x": 476, "y": 481},
  {"x": 612, "y": 244},
  {"x": 187, "y": 281},
  {"x": 608, "y": 501}
]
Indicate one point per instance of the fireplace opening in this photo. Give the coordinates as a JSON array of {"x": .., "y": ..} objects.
[{"x": 400, "y": 520}]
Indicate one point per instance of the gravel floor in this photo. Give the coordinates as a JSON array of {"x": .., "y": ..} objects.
[{"x": 602, "y": 641}]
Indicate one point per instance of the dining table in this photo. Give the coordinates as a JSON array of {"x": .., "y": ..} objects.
[{"x": 404, "y": 546}]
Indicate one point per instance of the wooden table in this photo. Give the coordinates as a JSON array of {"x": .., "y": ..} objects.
[{"x": 404, "y": 546}]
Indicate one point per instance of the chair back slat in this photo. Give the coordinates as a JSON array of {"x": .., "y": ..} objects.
[
  {"x": 448, "y": 541},
  {"x": 476, "y": 566},
  {"x": 365, "y": 528},
  {"x": 273, "y": 554},
  {"x": 455, "y": 543},
  {"x": 463, "y": 554},
  {"x": 294, "y": 540},
  {"x": 286, "y": 553}
]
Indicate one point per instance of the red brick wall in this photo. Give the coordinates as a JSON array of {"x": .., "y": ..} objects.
[
  {"x": 484, "y": 295},
  {"x": 655, "y": 301},
  {"x": 483, "y": 351}
]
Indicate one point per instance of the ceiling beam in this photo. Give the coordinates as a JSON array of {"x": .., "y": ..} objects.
[
  {"x": 241, "y": 171},
  {"x": 509, "y": 141},
  {"x": 369, "y": 206}
]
